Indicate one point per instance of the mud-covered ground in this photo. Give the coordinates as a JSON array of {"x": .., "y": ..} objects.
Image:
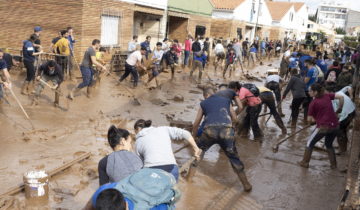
[{"x": 61, "y": 135}]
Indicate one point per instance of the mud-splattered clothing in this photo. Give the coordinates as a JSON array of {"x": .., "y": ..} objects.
[{"x": 216, "y": 110}]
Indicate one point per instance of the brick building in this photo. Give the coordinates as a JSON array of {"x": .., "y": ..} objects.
[{"x": 114, "y": 22}]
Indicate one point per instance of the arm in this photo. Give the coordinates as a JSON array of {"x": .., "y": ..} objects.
[
  {"x": 232, "y": 113},
  {"x": 288, "y": 87},
  {"x": 103, "y": 177},
  {"x": 197, "y": 121},
  {"x": 94, "y": 61},
  {"x": 306, "y": 80},
  {"x": 239, "y": 104},
  {"x": 341, "y": 102},
  {"x": 7, "y": 83}
]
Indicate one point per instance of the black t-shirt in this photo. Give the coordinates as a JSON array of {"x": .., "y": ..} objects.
[
  {"x": 38, "y": 42},
  {"x": 206, "y": 46},
  {"x": 196, "y": 47},
  {"x": 44, "y": 68},
  {"x": 8, "y": 60}
]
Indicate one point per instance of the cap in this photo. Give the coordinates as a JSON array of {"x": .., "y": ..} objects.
[{"x": 37, "y": 29}]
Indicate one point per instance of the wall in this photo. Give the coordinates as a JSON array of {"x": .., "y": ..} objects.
[
  {"x": 286, "y": 22},
  {"x": 91, "y": 20},
  {"x": 199, "y": 7},
  {"x": 178, "y": 28},
  {"x": 224, "y": 14},
  {"x": 19, "y": 18},
  {"x": 161, "y": 4},
  {"x": 195, "y": 20}
]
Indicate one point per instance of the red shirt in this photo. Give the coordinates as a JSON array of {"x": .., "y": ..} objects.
[
  {"x": 251, "y": 100},
  {"x": 188, "y": 45},
  {"x": 322, "y": 111}
]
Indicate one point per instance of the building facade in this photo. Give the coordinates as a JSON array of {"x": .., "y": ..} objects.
[
  {"x": 332, "y": 15},
  {"x": 353, "y": 23}
]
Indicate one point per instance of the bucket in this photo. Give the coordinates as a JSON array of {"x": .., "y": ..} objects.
[{"x": 36, "y": 187}]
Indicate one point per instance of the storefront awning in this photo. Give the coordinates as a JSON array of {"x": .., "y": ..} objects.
[
  {"x": 178, "y": 14},
  {"x": 149, "y": 10}
]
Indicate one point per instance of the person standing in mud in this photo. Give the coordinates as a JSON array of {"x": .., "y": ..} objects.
[
  {"x": 4, "y": 76},
  {"x": 284, "y": 65},
  {"x": 132, "y": 62},
  {"x": 267, "y": 98},
  {"x": 29, "y": 60},
  {"x": 157, "y": 57},
  {"x": 146, "y": 45},
  {"x": 49, "y": 71},
  {"x": 218, "y": 115},
  {"x": 87, "y": 70},
  {"x": 153, "y": 145},
  {"x": 322, "y": 113},
  {"x": 274, "y": 82},
  {"x": 120, "y": 163},
  {"x": 310, "y": 79},
  {"x": 219, "y": 54},
  {"x": 297, "y": 87}
]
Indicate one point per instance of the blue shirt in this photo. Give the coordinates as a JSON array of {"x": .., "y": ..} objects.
[
  {"x": 293, "y": 62},
  {"x": 71, "y": 44},
  {"x": 302, "y": 66},
  {"x": 323, "y": 66},
  {"x": 28, "y": 50},
  {"x": 216, "y": 110},
  {"x": 253, "y": 49},
  {"x": 201, "y": 58},
  {"x": 312, "y": 75},
  {"x": 129, "y": 202},
  {"x": 2, "y": 64}
]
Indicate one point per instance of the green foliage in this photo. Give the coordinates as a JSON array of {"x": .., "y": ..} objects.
[{"x": 340, "y": 31}]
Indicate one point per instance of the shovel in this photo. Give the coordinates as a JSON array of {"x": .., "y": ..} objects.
[
  {"x": 277, "y": 144},
  {"x": 57, "y": 91}
]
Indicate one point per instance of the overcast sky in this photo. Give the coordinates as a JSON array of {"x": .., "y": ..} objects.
[{"x": 313, "y": 4}]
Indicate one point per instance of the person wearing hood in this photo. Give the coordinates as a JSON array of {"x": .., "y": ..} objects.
[
  {"x": 120, "y": 163},
  {"x": 153, "y": 145}
]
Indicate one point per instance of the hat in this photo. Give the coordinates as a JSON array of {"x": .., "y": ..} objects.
[
  {"x": 37, "y": 29},
  {"x": 273, "y": 71}
]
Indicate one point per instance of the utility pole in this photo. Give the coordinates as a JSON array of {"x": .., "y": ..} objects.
[{"x": 257, "y": 18}]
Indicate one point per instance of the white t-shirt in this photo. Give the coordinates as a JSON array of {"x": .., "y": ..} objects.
[
  {"x": 287, "y": 53},
  {"x": 158, "y": 55},
  {"x": 348, "y": 107},
  {"x": 133, "y": 58},
  {"x": 273, "y": 78},
  {"x": 219, "y": 48}
]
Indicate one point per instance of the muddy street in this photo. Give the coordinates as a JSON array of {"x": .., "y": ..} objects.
[{"x": 80, "y": 126}]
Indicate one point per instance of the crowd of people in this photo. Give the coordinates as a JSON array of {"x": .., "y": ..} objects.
[{"x": 147, "y": 177}]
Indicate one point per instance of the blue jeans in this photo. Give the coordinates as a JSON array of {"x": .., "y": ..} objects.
[
  {"x": 224, "y": 137},
  {"x": 172, "y": 169},
  {"x": 186, "y": 59},
  {"x": 87, "y": 75}
]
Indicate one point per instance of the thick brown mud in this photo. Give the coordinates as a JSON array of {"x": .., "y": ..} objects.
[{"x": 61, "y": 135}]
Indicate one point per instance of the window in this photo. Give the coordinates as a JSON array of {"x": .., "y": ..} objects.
[{"x": 109, "y": 30}]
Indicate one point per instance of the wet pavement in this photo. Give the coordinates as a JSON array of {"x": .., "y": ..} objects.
[{"x": 60, "y": 136}]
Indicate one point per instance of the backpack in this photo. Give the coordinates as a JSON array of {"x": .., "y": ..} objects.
[
  {"x": 252, "y": 88},
  {"x": 149, "y": 187}
]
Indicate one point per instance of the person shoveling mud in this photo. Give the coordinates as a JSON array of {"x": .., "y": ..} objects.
[{"x": 217, "y": 129}]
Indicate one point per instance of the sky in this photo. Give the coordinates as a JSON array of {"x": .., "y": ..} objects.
[{"x": 313, "y": 4}]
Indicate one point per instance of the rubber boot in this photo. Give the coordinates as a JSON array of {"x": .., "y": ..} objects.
[
  {"x": 31, "y": 87},
  {"x": 332, "y": 158},
  {"x": 244, "y": 181},
  {"x": 200, "y": 75},
  {"x": 306, "y": 159},
  {"x": 24, "y": 88},
  {"x": 191, "y": 73},
  {"x": 342, "y": 141},
  {"x": 73, "y": 92},
  {"x": 35, "y": 100},
  {"x": 57, "y": 98}
]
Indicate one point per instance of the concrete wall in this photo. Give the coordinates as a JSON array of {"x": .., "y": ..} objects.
[{"x": 199, "y": 7}]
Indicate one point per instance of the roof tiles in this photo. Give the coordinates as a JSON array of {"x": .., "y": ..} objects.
[
  {"x": 278, "y": 9},
  {"x": 226, "y": 4}
]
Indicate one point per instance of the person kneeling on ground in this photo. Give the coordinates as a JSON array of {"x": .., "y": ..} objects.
[
  {"x": 153, "y": 145},
  {"x": 322, "y": 113},
  {"x": 148, "y": 188},
  {"x": 49, "y": 71},
  {"x": 218, "y": 115},
  {"x": 171, "y": 59},
  {"x": 122, "y": 162}
]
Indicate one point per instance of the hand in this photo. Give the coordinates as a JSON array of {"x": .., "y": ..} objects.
[
  {"x": 7, "y": 85},
  {"x": 38, "y": 78},
  {"x": 338, "y": 111},
  {"x": 197, "y": 153},
  {"x": 103, "y": 68},
  {"x": 283, "y": 98},
  {"x": 55, "y": 86}
]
